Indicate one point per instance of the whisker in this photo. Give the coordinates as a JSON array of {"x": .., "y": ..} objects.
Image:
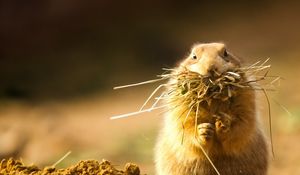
[{"x": 283, "y": 107}]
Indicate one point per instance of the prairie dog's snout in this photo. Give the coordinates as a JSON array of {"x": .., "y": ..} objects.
[{"x": 207, "y": 58}]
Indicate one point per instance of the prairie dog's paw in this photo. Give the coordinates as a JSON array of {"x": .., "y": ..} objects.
[
  {"x": 206, "y": 132},
  {"x": 223, "y": 123}
]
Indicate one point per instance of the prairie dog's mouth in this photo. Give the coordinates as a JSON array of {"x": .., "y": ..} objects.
[
  {"x": 211, "y": 70},
  {"x": 185, "y": 87},
  {"x": 213, "y": 74},
  {"x": 214, "y": 85}
]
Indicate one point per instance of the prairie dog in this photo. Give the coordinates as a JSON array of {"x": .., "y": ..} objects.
[{"x": 228, "y": 130}]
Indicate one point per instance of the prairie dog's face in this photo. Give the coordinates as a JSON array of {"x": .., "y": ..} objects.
[{"x": 211, "y": 57}]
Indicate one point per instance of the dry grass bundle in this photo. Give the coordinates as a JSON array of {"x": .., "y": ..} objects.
[{"x": 193, "y": 88}]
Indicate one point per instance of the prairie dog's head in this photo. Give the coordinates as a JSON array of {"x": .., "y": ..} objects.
[{"x": 211, "y": 57}]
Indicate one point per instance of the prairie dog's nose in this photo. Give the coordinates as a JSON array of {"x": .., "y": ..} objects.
[{"x": 204, "y": 66}]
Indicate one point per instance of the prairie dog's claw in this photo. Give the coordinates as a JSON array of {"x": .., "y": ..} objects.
[
  {"x": 206, "y": 132},
  {"x": 223, "y": 123}
]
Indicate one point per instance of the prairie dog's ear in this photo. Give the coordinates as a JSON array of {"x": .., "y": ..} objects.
[{"x": 239, "y": 59}]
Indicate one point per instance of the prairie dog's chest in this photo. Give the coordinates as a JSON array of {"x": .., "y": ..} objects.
[{"x": 208, "y": 112}]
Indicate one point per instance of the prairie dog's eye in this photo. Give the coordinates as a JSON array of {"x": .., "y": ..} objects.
[
  {"x": 225, "y": 53},
  {"x": 194, "y": 56}
]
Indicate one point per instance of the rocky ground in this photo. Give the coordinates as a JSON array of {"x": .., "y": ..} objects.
[{"x": 87, "y": 167}]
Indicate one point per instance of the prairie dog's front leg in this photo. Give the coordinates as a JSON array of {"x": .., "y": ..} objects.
[
  {"x": 231, "y": 131},
  {"x": 223, "y": 125}
]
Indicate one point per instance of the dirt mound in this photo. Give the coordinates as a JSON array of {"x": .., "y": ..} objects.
[{"x": 85, "y": 167}]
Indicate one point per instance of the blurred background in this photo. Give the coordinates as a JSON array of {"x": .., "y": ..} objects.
[{"x": 60, "y": 59}]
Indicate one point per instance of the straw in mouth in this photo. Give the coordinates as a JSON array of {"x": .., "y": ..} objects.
[{"x": 179, "y": 83}]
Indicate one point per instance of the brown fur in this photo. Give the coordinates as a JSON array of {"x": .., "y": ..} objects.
[{"x": 229, "y": 131}]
